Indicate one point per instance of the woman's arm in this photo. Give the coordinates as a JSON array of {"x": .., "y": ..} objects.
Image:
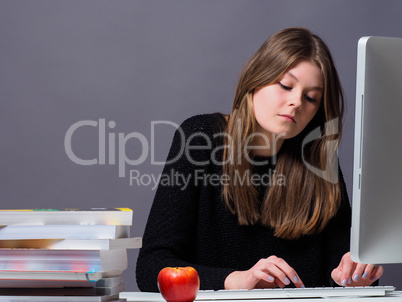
[
  {"x": 169, "y": 238},
  {"x": 348, "y": 272},
  {"x": 343, "y": 271},
  {"x": 338, "y": 232}
]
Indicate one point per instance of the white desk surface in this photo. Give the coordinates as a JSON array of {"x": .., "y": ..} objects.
[{"x": 156, "y": 297}]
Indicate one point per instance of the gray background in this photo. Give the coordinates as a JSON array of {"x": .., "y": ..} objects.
[{"x": 134, "y": 62}]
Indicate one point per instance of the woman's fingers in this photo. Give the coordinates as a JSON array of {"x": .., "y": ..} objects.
[
  {"x": 350, "y": 273},
  {"x": 279, "y": 283},
  {"x": 370, "y": 273},
  {"x": 281, "y": 270},
  {"x": 272, "y": 272},
  {"x": 263, "y": 276},
  {"x": 348, "y": 267},
  {"x": 376, "y": 273},
  {"x": 362, "y": 271}
]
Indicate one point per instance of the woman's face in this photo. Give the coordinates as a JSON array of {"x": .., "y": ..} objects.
[{"x": 283, "y": 109}]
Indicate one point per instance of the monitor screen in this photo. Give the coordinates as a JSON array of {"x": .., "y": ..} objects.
[{"x": 376, "y": 234}]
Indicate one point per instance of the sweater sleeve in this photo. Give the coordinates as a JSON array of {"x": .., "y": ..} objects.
[
  {"x": 169, "y": 238},
  {"x": 339, "y": 233}
]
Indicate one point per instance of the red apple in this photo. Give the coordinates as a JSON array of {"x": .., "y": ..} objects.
[{"x": 179, "y": 284}]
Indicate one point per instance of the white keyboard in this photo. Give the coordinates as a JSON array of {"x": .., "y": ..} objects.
[{"x": 278, "y": 293}]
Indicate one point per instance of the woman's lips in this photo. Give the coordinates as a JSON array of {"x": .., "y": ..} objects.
[{"x": 289, "y": 118}]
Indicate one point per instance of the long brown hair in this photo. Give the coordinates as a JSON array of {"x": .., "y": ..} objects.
[{"x": 307, "y": 201}]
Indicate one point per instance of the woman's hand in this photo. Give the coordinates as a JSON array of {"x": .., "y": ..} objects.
[
  {"x": 349, "y": 273},
  {"x": 266, "y": 273}
]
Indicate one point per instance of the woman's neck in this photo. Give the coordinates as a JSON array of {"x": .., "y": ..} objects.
[{"x": 266, "y": 145}]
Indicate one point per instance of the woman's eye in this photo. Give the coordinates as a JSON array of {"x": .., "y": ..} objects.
[
  {"x": 284, "y": 86},
  {"x": 310, "y": 99},
  {"x": 288, "y": 88}
]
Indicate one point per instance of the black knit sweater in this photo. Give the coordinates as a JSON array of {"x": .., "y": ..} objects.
[{"x": 189, "y": 224}]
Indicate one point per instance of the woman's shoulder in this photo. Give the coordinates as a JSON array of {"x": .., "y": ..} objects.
[{"x": 208, "y": 123}]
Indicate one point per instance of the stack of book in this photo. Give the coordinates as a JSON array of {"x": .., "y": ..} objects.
[{"x": 64, "y": 255}]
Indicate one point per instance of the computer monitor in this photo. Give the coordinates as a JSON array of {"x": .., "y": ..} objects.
[{"x": 376, "y": 234}]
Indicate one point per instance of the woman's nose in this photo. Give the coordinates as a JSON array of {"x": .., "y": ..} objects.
[{"x": 296, "y": 100}]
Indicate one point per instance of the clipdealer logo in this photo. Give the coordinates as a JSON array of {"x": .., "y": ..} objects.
[
  {"x": 107, "y": 145},
  {"x": 108, "y": 141}
]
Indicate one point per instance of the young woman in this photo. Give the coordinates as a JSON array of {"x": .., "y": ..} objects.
[{"x": 256, "y": 199}]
